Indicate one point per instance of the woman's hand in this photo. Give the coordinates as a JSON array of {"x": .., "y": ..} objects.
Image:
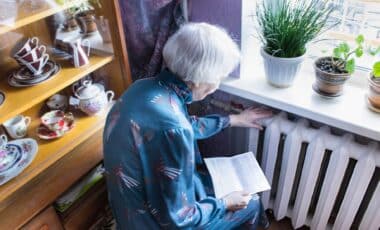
[
  {"x": 237, "y": 200},
  {"x": 249, "y": 118}
]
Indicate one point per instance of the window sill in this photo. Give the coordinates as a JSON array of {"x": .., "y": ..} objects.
[{"x": 348, "y": 112}]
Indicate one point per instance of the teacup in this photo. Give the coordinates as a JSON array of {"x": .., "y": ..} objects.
[
  {"x": 56, "y": 120},
  {"x": 37, "y": 67},
  {"x": 32, "y": 56},
  {"x": 57, "y": 102},
  {"x": 17, "y": 126},
  {"x": 3, "y": 141},
  {"x": 30, "y": 44}
]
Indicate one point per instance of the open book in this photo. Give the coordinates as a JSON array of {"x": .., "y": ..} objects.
[{"x": 237, "y": 173}]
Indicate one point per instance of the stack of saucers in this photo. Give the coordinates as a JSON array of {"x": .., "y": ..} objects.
[{"x": 23, "y": 77}]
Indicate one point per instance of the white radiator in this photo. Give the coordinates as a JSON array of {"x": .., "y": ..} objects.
[{"x": 318, "y": 179}]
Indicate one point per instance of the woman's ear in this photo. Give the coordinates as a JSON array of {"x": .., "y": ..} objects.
[{"x": 192, "y": 85}]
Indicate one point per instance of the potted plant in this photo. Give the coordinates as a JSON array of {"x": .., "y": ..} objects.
[
  {"x": 374, "y": 87},
  {"x": 333, "y": 71},
  {"x": 285, "y": 28},
  {"x": 83, "y": 15},
  {"x": 70, "y": 23}
]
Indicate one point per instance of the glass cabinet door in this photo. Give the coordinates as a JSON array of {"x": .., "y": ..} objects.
[{"x": 62, "y": 65}]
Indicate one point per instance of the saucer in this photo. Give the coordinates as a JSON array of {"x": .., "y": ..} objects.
[
  {"x": 12, "y": 81},
  {"x": 2, "y": 98},
  {"x": 28, "y": 149},
  {"x": 370, "y": 106},
  {"x": 327, "y": 95},
  {"x": 24, "y": 75},
  {"x": 46, "y": 134}
]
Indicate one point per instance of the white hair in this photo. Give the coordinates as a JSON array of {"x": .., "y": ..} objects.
[{"x": 201, "y": 53}]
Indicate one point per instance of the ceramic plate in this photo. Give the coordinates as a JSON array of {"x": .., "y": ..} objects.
[
  {"x": 13, "y": 82},
  {"x": 28, "y": 149},
  {"x": 327, "y": 95},
  {"x": 2, "y": 98},
  {"x": 370, "y": 106}
]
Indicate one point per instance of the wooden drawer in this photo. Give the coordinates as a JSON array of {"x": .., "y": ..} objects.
[
  {"x": 85, "y": 211},
  {"x": 46, "y": 220}
]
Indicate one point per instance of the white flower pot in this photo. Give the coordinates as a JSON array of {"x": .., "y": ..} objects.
[{"x": 280, "y": 72}]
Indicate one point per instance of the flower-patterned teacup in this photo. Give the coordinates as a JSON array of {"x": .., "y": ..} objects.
[
  {"x": 17, "y": 126},
  {"x": 56, "y": 120}
]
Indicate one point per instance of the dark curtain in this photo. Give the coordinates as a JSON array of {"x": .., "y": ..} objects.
[{"x": 147, "y": 26}]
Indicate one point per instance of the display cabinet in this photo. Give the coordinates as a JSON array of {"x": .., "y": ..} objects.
[{"x": 57, "y": 74}]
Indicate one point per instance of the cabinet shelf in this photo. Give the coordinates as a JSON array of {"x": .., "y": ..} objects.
[
  {"x": 17, "y": 100},
  {"x": 26, "y": 17},
  {"x": 51, "y": 151}
]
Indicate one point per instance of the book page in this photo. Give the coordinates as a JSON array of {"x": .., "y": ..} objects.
[
  {"x": 237, "y": 173},
  {"x": 223, "y": 174},
  {"x": 250, "y": 173}
]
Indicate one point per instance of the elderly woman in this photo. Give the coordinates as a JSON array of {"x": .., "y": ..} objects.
[{"x": 150, "y": 140}]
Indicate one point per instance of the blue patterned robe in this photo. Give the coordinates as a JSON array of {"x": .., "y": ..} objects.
[{"x": 149, "y": 156}]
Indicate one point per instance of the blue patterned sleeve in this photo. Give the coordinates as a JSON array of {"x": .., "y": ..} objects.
[
  {"x": 207, "y": 126},
  {"x": 177, "y": 206}
]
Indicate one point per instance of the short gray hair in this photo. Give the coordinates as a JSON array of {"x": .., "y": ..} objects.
[{"x": 201, "y": 53}]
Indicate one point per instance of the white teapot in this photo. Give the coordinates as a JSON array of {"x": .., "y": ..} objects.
[{"x": 91, "y": 98}]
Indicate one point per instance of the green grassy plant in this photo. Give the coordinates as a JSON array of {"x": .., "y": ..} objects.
[{"x": 286, "y": 28}]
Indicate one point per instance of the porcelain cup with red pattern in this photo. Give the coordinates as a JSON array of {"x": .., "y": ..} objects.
[
  {"x": 56, "y": 120},
  {"x": 26, "y": 47},
  {"x": 37, "y": 67},
  {"x": 32, "y": 56}
]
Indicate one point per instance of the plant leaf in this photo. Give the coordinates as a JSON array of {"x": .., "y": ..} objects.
[
  {"x": 350, "y": 66},
  {"x": 359, "y": 39},
  {"x": 344, "y": 47},
  {"x": 337, "y": 52},
  {"x": 359, "y": 52},
  {"x": 376, "y": 69}
]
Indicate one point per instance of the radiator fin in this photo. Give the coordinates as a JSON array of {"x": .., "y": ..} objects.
[{"x": 319, "y": 179}]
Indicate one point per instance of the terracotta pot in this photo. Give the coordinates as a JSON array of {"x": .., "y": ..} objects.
[
  {"x": 87, "y": 22},
  {"x": 329, "y": 84},
  {"x": 374, "y": 91}
]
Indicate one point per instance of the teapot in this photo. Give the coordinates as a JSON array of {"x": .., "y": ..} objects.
[
  {"x": 91, "y": 98},
  {"x": 78, "y": 56}
]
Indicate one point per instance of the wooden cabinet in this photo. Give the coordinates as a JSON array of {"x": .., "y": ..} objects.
[
  {"x": 83, "y": 214},
  {"x": 46, "y": 220},
  {"x": 59, "y": 163}
]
